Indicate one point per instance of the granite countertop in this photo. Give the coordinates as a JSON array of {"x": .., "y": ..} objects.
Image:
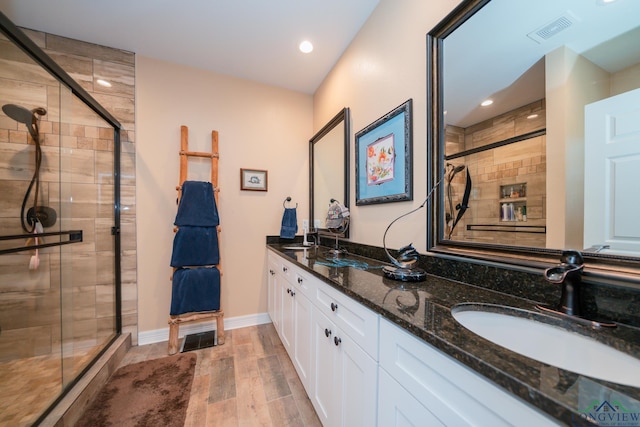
[{"x": 424, "y": 309}]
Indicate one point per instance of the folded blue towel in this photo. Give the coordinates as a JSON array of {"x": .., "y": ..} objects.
[
  {"x": 195, "y": 246},
  {"x": 289, "y": 224},
  {"x": 195, "y": 290},
  {"x": 197, "y": 205}
]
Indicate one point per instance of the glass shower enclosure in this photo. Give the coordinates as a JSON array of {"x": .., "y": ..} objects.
[{"x": 59, "y": 230}]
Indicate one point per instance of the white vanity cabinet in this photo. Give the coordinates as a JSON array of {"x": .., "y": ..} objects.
[
  {"x": 360, "y": 369},
  {"x": 419, "y": 382},
  {"x": 274, "y": 297},
  {"x": 302, "y": 355},
  {"x": 332, "y": 342},
  {"x": 346, "y": 377},
  {"x": 291, "y": 312}
]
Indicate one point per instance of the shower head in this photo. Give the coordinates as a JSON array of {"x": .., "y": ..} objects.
[
  {"x": 36, "y": 215},
  {"x": 23, "y": 115},
  {"x": 18, "y": 113},
  {"x": 453, "y": 170}
]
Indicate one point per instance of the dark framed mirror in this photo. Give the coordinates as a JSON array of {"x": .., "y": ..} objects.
[
  {"x": 329, "y": 170},
  {"x": 558, "y": 72}
]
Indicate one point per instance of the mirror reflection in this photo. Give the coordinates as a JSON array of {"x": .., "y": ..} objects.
[
  {"x": 329, "y": 162},
  {"x": 554, "y": 152}
]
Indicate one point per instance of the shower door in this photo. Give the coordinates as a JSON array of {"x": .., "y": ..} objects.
[{"x": 58, "y": 258}]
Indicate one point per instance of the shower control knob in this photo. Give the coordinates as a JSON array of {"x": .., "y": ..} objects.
[
  {"x": 327, "y": 332},
  {"x": 334, "y": 306},
  {"x": 337, "y": 341}
]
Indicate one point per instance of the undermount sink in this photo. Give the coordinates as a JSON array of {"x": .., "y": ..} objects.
[{"x": 515, "y": 330}]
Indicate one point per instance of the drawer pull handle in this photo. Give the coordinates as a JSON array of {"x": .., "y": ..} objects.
[
  {"x": 334, "y": 307},
  {"x": 337, "y": 341},
  {"x": 272, "y": 272},
  {"x": 292, "y": 293},
  {"x": 288, "y": 290},
  {"x": 284, "y": 269},
  {"x": 327, "y": 332},
  {"x": 299, "y": 279}
]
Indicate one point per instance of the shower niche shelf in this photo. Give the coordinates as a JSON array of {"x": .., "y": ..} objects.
[{"x": 512, "y": 202}]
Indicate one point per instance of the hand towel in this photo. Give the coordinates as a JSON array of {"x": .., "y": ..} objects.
[
  {"x": 289, "y": 224},
  {"x": 195, "y": 290},
  {"x": 197, "y": 206},
  {"x": 195, "y": 246}
]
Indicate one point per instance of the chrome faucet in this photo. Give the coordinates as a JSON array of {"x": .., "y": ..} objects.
[
  {"x": 569, "y": 274},
  {"x": 307, "y": 234}
]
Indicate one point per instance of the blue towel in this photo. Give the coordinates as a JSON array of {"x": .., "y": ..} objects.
[
  {"x": 195, "y": 290},
  {"x": 197, "y": 206},
  {"x": 289, "y": 224},
  {"x": 195, "y": 246}
]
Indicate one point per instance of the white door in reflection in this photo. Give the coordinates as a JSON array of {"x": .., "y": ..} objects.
[{"x": 612, "y": 174}]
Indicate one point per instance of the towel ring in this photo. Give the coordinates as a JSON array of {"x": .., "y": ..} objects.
[{"x": 288, "y": 199}]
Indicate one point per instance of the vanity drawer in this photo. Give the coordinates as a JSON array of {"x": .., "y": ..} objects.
[
  {"x": 357, "y": 321},
  {"x": 286, "y": 269},
  {"x": 304, "y": 283}
]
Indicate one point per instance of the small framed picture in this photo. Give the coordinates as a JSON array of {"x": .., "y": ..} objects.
[{"x": 253, "y": 180}]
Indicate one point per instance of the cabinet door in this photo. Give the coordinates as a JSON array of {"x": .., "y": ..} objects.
[
  {"x": 357, "y": 321},
  {"x": 398, "y": 408},
  {"x": 302, "y": 340},
  {"x": 273, "y": 293},
  {"x": 287, "y": 327},
  {"x": 325, "y": 386},
  {"x": 358, "y": 383},
  {"x": 454, "y": 393}
]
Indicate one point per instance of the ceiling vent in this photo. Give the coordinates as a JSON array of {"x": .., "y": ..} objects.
[{"x": 552, "y": 28}]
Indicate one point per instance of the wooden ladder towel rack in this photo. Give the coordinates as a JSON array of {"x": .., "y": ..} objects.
[{"x": 174, "y": 321}]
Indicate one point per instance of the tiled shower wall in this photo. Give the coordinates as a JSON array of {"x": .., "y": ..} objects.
[
  {"x": 86, "y": 63},
  {"x": 520, "y": 162}
]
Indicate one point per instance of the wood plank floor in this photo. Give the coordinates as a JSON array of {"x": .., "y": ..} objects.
[{"x": 249, "y": 381}]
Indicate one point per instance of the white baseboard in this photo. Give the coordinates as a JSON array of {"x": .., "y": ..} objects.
[{"x": 160, "y": 335}]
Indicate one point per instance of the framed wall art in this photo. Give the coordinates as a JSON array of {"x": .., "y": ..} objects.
[
  {"x": 384, "y": 165},
  {"x": 253, "y": 179}
]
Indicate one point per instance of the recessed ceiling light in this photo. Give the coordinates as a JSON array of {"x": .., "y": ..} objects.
[
  {"x": 104, "y": 83},
  {"x": 532, "y": 116},
  {"x": 487, "y": 103},
  {"x": 306, "y": 46}
]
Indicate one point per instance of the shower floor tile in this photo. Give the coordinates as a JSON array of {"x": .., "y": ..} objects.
[{"x": 30, "y": 385}]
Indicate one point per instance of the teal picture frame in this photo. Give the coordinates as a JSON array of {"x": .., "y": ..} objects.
[{"x": 384, "y": 163}]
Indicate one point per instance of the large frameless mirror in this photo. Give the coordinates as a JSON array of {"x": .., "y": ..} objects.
[
  {"x": 329, "y": 170},
  {"x": 553, "y": 154}
]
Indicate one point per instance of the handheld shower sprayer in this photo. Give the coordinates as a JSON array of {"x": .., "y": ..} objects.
[
  {"x": 36, "y": 214},
  {"x": 452, "y": 218}
]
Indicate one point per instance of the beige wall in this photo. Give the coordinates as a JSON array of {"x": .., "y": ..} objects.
[
  {"x": 383, "y": 67},
  {"x": 260, "y": 127},
  {"x": 572, "y": 82}
]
